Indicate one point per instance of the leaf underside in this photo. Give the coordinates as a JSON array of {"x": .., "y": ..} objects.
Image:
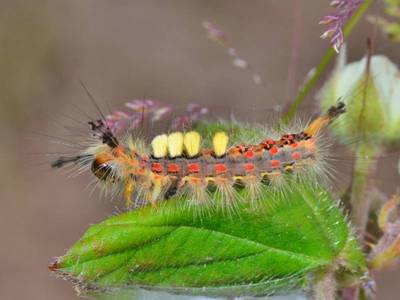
[{"x": 256, "y": 249}]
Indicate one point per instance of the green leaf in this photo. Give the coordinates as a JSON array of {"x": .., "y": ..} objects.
[{"x": 257, "y": 249}]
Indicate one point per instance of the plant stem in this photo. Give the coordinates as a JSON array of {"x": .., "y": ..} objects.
[
  {"x": 325, "y": 287},
  {"x": 364, "y": 167},
  {"x": 320, "y": 68}
]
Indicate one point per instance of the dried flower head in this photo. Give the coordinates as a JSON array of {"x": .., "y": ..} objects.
[{"x": 335, "y": 22}]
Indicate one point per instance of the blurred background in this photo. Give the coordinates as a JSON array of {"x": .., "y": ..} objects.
[{"x": 124, "y": 50}]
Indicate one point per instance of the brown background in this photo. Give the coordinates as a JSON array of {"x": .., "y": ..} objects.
[{"x": 122, "y": 50}]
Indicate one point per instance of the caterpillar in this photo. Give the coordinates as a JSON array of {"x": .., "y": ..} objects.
[{"x": 177, "y": 164}]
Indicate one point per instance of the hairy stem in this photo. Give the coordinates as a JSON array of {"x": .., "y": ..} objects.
[
  {"x": 320, "y": 68},
  {"x": 364, "y": 168},
  {"x": 325, "y": 286},
  {"x": 365, "y": 164}
]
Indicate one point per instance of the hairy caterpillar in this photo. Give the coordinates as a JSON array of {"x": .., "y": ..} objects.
[{"x": 176, "y": 163}]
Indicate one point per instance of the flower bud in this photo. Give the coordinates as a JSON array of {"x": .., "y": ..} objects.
[{"x": 372, "y": 101}]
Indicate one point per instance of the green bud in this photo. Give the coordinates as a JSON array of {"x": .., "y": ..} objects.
[{"x": 372, "y": 101}]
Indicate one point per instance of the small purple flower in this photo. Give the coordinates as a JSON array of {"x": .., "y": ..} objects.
[
  {"x": 195, "y": 110},
  {"x": 193, "y": 113},
  {"x": 142, "y": 106},
  {"x": 214, "y": 33},
  {"x": 139, "y": 110},
  {"x": 152, "y": 110},
  {"x": 335, "y": 22},
  {"x": 159, "y": 113}
]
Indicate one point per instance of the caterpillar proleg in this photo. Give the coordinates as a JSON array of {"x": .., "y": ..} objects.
[{"x": 177, "y": 163}]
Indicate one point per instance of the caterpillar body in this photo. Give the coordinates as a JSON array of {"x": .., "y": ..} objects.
[{"x": 176, "y": 164}]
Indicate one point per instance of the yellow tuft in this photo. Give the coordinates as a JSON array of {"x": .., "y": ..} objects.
[
  {"x": 191, "y": 142},
  {"x": 160, "y": 146},
  {"x": 220, "y": 143},
  {"x": 175, "y": 144},
  {"x": 128, "y": 191},
  {"x": 318, "y": 124}
]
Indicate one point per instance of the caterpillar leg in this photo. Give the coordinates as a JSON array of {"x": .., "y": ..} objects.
[
  {"x": 128, "y": 191},
  {"x": 156, "y": 192},
  {"x": 160, "y": 185},
  {"x": 196, "y": 187}
]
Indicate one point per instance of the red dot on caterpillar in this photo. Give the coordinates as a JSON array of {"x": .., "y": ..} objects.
[
  {"x": 193, "y": 167},
  {"x": 157, "y": 167},
  {"x": 296, "y": 155},
  {"x": 275, "y": 163},
  {"x": 220, "y": 168},
  {"x": 173, "y": 168},
  {"x": 249, "y": 167},
  {"x": 249, "y": 154},
  {"x": 274, "y": 150}
]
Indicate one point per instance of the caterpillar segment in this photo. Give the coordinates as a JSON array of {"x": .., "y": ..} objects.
[
  {"x": 177, "y": 164},
  {"x": 187, "y": 168}
]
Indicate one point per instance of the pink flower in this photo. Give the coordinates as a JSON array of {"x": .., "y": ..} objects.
[
  {"x": 336, "y": 21},
  {"x": 152, "y": 110},
  {"x": 139, "y": 110},
  {"x": 214, "y": 33},
  {"x": 193, "y": 113}
]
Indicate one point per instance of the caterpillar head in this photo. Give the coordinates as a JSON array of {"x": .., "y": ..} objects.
[
  {"x": 100, "y": 157},
  {"x": 103, "y": 165}
]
